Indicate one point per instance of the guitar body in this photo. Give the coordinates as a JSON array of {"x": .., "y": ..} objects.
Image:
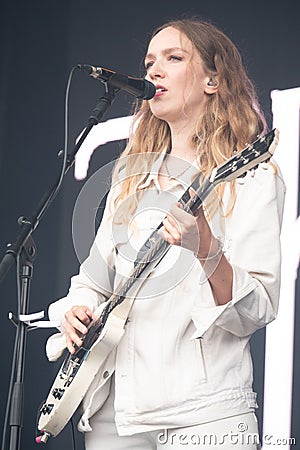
[{"x": 74, "y": 378}]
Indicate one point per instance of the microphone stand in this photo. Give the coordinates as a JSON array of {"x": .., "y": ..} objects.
[
  {"x": 24, "y": 249},
  {"x": 27, "y": 256}
]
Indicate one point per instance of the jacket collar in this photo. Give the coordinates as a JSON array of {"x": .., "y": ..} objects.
[{"x": 152, "y": 177}]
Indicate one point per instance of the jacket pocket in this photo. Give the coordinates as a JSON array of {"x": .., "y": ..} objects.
[{"x": 200, "y": 355}]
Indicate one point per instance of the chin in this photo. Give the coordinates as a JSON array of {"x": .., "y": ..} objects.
[{"x": 161, "y": 114}]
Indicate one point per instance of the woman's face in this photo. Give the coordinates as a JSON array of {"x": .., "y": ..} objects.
[{"x": 174, "y": 66}]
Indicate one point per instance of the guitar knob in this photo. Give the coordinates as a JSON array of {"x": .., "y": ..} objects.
[
  {"x": 46, "y": 409},
  {"x": 58, "y": 393},
  {"x": 43, "y": 438}
]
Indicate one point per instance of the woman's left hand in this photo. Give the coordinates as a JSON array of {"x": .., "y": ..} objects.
[{"x": 186, "y": 230}]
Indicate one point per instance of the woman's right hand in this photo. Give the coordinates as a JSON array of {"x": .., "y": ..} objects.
[{"x": 75, "y": 325}]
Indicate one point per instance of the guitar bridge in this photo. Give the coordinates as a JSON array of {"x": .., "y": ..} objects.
[
  {"x": 69, "y": 370},
  {"x": 72, "y": 365}
]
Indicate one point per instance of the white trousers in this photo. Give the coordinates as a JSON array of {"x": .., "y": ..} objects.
[{"x": 232, "y": 433}]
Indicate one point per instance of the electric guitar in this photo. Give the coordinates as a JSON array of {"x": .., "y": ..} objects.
[{"x": 105, "y": 332}]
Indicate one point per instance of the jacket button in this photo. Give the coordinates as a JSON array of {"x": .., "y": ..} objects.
[{"x": 105, "y": 374}]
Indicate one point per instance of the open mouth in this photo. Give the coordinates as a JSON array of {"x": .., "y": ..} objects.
[{"x": 160, "y": 90}]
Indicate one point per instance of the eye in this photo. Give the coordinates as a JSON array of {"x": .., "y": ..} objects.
[
  {"x": 148, "y": 65},
  {"x": 175, "y": 58}
]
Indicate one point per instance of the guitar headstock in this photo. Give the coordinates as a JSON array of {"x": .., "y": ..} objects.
[{"x": 259, "y": 151}]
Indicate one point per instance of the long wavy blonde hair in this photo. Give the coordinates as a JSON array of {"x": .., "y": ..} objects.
[{"x": 230, "y": 118}]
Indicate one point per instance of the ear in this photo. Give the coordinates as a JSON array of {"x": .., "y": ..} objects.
[{"x": 212, "y": 85}]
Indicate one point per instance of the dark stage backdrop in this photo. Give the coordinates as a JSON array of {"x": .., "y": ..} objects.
[{"x": 40, "y": 42}]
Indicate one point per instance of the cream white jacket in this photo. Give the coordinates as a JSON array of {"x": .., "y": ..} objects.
[{"x": 182, "y": 360}]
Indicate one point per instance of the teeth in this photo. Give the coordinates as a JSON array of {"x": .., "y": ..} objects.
[{"x": 160, "y": 90}]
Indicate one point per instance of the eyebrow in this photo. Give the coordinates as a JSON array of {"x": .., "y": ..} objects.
[{"x": 166, "y": 52}]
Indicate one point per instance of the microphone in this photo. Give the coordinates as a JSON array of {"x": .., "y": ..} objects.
[{"x": 138, "y": 87}]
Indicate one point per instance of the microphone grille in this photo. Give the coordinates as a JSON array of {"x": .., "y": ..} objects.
[{"x": 149, "y": 91}]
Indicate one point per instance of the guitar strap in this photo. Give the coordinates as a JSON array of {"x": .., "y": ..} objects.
[{"x": 122, "y": 310}]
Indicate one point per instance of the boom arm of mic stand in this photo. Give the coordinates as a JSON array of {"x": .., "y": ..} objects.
[{"x": 29, "y": 225}]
